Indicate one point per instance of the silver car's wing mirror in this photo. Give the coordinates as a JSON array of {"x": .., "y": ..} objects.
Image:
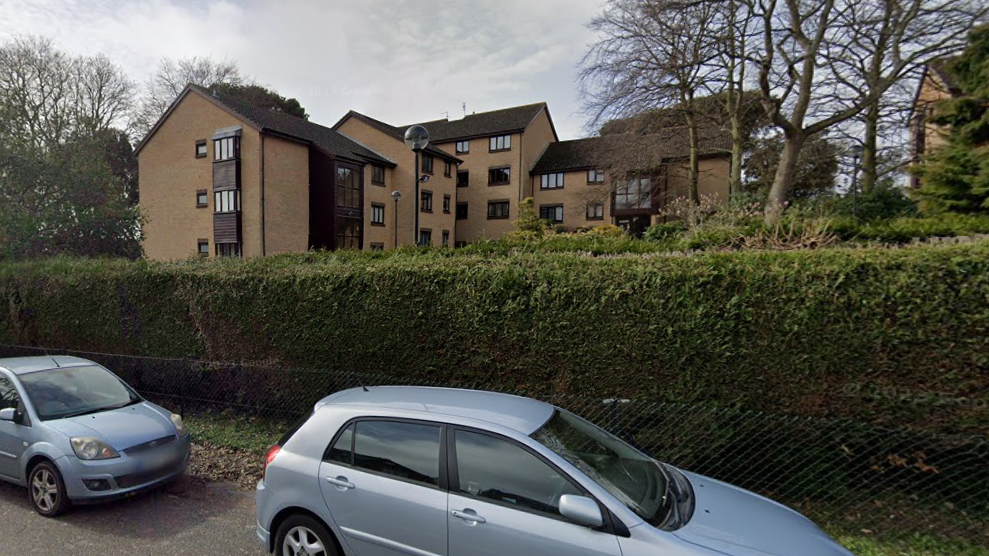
[
  {"x": 581, "y": 509},
  {"x": 8, "y": 414}
]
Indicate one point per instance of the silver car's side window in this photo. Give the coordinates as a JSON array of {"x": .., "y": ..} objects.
[
  {"x": 500, "y": 471},
  {"x": 342, "y": 450},
  {"x": 408, "y": 451}
]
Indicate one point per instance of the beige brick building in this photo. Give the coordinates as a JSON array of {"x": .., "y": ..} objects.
[
  {"x": 220, "y": 177},
  {"x": 935, "y": 85},
  {"x": 624, "y": 179},
  {"x": 495, "y": 150}
]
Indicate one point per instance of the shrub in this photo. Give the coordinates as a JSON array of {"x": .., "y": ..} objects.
[
  {"x": 665, "y": 230},
  {"x": 904, "y": 230},
  {"x": 883, "y": 202},
  {"x": 528, "y": 225},
  {"x": 692, "y": 214},
  {"x": 714, "y": 236},
  {"x": 608, "y": 230},
  {"x": 579, "y": 242},
  {"x": 796, "y": 332},
  {"x": 791, "y": 233}
]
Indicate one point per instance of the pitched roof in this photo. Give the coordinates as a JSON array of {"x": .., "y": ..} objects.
[
  {"x": 398, "y": 133},
  {"x": 940, "y": 69},
  {"x": 506, "y": 120},
  {"x": 270, "y": 121},
  {"x": 629, "y": 150}
]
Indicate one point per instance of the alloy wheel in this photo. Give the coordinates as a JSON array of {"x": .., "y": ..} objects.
[
  {"x": 302, "y": 541},
  {"x": 44, "y": 490}
]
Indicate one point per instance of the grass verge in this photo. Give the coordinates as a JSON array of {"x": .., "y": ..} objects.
[
  {"x": 249, "y": 434},
  {"x": 918, "y": 544}
]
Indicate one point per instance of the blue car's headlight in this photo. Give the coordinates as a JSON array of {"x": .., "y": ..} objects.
[
  {"x": 89, "y": 449},
  {"x": 179, "y": 426}
]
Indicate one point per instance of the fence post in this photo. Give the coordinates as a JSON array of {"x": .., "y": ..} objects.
[{"x": 184, "y": 370}]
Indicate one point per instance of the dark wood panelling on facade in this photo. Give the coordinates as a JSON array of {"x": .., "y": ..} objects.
[
  {"x": 226, "y": 175},
  {"x": 226, "y": 227},
  {"x": 322, "y": 182}
]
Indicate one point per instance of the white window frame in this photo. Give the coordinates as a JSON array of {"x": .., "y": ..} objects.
[
  {"x": 551, "y": 181},
  {"x": 500, "y": 143}
]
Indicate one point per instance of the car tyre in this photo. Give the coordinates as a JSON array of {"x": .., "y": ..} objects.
[
  {"x": 301, "y": 535},
  {"x": 46, "y": 490}
]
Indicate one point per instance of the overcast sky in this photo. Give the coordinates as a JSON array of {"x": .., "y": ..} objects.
[{"x": 397, "y": 60}]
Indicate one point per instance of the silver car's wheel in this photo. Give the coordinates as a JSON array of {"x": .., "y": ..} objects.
[
  {"x": 46, "y": 490},
  {"x": 301, "y": 535},
  {"x": 301, "y": 541}
]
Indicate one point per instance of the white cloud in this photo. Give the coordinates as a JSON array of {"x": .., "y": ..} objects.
[{"x": 399, "y": 60}]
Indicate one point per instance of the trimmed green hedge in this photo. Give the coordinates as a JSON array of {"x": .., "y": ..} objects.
[
  {"x": 904, "y": 230},
  {"x": 880, "y": 335}
]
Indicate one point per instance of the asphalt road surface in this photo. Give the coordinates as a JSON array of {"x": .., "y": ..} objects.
[{"x": 190, "y": 516}]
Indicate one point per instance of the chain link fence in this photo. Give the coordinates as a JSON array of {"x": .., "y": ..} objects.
[{"x": 850, "y": 476}]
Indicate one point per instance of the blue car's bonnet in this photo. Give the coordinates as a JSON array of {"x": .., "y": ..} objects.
[{"x": 121, "y": 428}]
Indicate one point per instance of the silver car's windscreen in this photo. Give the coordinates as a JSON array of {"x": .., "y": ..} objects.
[
  {"x": 626, "y": 473},
  {"x": 72, "y": 391}
]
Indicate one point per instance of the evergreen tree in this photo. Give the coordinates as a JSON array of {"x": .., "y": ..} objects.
[{"x": 956, "y": 175}]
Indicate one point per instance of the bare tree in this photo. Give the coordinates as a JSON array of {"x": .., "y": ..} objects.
[
  {"x": 65, "y": 171},
  {"x": 170, "y": 78},
  {"x": 651, "y": 54},
  {"x": 47, "y": 95},
  {"x": 36, "y": 91},
  {"x": 884, "y": 127},
  {"x": 104, "y": 94},
  {"x": 806, "y": 45},
  {"x": 860, "y": 67},
  {"x": 732, "y": 35}
]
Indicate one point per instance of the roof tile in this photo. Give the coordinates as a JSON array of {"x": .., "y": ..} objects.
[
  {"x": 505, "y": 120},
  {"x": 398, "y": 133},
  {"x": 328, "y": 140},
  {"x": 629, "y": 150}
]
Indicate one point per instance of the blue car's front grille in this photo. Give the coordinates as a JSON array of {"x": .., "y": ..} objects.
[
  {"x": 135, "y": 479},
  {"x": 150, "y": 445}
]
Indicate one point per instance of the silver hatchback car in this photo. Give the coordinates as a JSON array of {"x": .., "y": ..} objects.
[
  {"x": 73, "y": 432},
  {"x": 430, "y": 471}
]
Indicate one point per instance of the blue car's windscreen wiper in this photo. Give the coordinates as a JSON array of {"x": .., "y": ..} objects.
[{"x": 99, "y": 409}]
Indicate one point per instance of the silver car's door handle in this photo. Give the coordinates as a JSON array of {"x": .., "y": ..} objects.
[
  {"x": 340, "y": 482},
  {"x": 469, "y": 516}
]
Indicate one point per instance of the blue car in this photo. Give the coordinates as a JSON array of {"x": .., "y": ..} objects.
[{"x": 73, "y": 432}]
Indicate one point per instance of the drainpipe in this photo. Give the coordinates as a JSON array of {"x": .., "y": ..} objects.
[
  {"x": 521, "y": 185},
  {"x": 263, "y": 249}
]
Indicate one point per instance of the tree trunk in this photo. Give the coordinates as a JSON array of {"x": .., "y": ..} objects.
[
  {"x": 736, "y": 98},
  {"x": 870, "y": 158},
  {"x": 737, "y": 151},
  {"x": 785, "y": 172},
  {"x": 692, "y": 174}
]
